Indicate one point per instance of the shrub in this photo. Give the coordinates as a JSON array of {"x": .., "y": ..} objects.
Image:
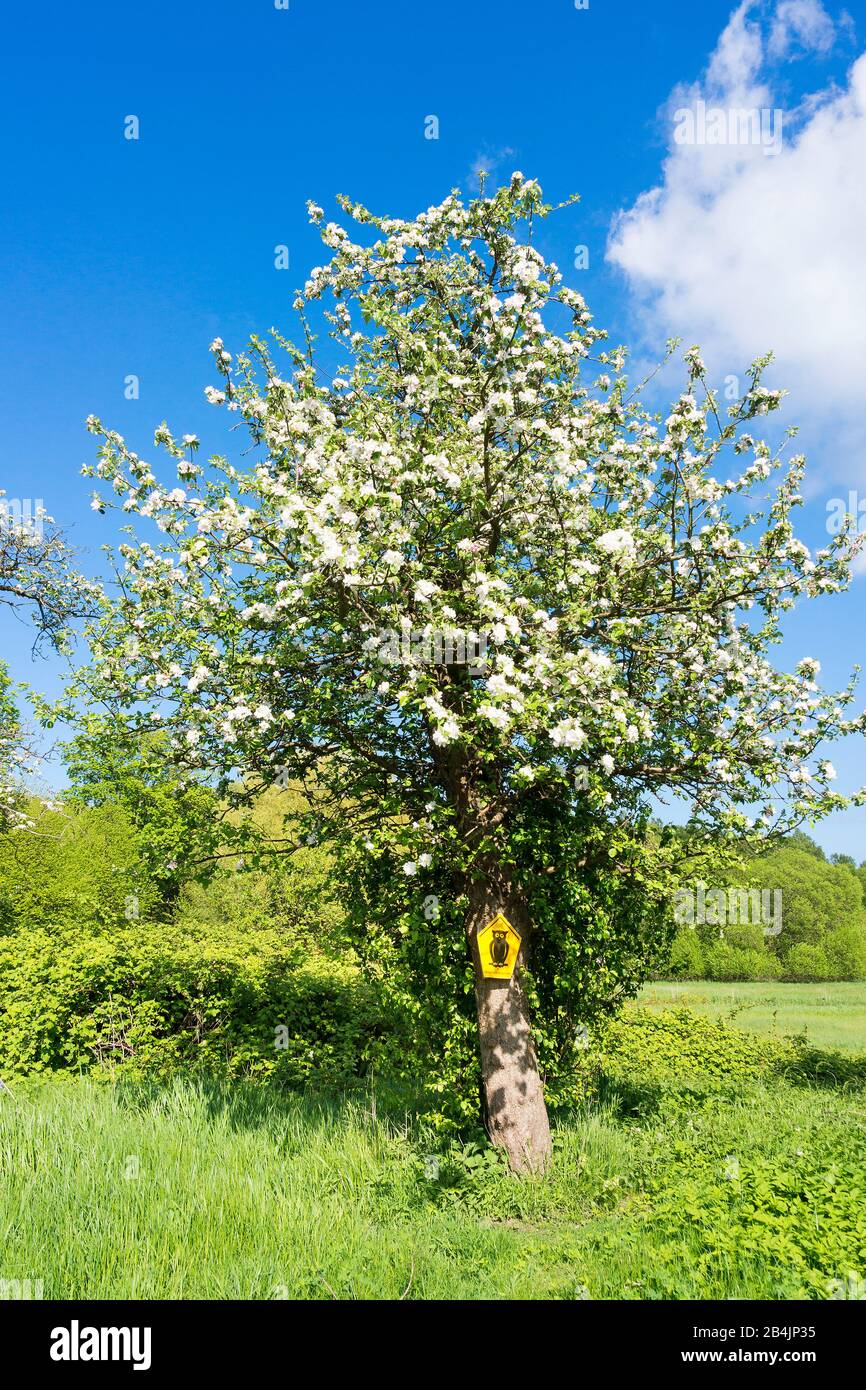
[
  {"x": 807, "y": 962},
  {"x": 93, "y": 975},
  {"x": 686, "y": 960},
  {"x": 680, "y": 1044},
  {"x": 151, "y": 998},
  {"x": 845, "y": 950},
  {"x": 725, "y": 961}
]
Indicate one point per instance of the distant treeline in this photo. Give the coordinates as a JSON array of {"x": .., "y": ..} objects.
[{"x": 790, "y": 914}]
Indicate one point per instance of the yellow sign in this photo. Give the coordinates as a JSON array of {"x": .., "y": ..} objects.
[{"x": 498, "y": 947}]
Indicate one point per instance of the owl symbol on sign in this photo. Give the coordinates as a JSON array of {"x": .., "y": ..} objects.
[{"x": 499, "y": 947}]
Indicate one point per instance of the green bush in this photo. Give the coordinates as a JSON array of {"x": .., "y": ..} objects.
[
  {"x": 686, "y": 960},
  {"x": 807, "y": 962},
  {"x": 152, "y": 998},
  {"x": 845, "y": 950},
  {"x": 247, "y": 975},
  {"x": 639, "y": 1046},
  {"x": 680, "y": 1044},
  {"x": 725, "y": 961}
]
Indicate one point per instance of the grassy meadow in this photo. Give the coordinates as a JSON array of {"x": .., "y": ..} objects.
[
  {"x": 830, "y": 1015},
  {"x": 704, "y": 1162}
]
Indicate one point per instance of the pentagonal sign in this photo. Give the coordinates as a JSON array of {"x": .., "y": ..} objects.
[{"x": 498, "y": 947}]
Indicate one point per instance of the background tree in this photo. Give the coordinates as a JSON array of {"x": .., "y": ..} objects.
[
  {"x": 14, "y": 757},
  {"x": 822, "y": 919},
  {"x": 462, "y": 475},
  {"x": 38, "y": 580},
  {"x": 38, "y": 584},
  {"x": 176, "y": 822},
  {"x": 822, "y": 910}
]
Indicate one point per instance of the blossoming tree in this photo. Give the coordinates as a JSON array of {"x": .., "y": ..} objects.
[
  {"x": 37, "y": 583},
  {"x": 12, "y": 757},
  {"x": 465, "y": 477}
]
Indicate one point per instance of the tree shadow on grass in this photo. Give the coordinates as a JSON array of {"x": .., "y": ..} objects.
[
  {"x": 626, "y": 1097},
  {"x": 829, "y": 1069},
  {"x": 294, "y": 1116}
]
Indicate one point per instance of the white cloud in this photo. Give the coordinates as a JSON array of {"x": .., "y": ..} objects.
[
  {"x": 745, "y": 249},
  {"x": 486, "y": 164},
  {"x": 803, "y": 21}
]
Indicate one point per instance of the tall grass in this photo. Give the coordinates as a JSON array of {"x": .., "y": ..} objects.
[{"x": 192, "y": 1191}]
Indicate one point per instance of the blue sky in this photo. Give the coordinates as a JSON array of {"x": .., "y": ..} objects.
[{"x": 126, "y": 257}]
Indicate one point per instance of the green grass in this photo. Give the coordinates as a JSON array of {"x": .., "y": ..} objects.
[
  {"x": 660, "y": 1188},
  {"x": 831, "y": 1015}
]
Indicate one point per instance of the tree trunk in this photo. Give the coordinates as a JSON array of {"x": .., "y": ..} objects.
[{"x": 515, "y": 1113}]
